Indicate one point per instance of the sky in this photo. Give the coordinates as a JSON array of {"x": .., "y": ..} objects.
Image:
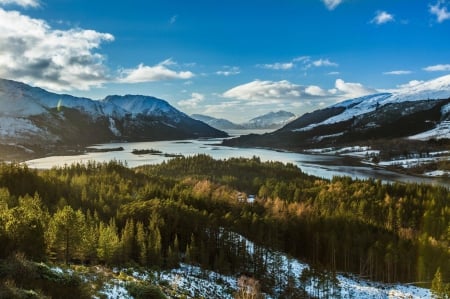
[{"x": 232, "y": 59}]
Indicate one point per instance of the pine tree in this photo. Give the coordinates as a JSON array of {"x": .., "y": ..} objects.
[
  {"x": 108, "y": 242},
  {"x": 141, "y": 242},
  {"x": 127, "y": 239},
  {"x": 439, "y": 289},
  {"x": 65, "y": 233}
]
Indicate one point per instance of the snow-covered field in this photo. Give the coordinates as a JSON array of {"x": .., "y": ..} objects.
[
  {"x": 353, "y": 151},
  {"x": 194, "y": 282}
]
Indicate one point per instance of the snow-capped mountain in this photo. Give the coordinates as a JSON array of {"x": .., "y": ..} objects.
[
  {"x": 271, "y": 120},
  {"x": 34, "y": 117},
  {"x": 409, "y": 111},
  {"x": 218, "y": 123}
]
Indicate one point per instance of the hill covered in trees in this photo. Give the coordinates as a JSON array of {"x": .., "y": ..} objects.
[{"x": 193, "y": 210}]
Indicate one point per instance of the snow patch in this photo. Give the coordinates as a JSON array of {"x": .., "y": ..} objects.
[
  {"x": 15, "y": 126},
  {"x": 441, "y": 131},
  {"x": 113, "y": 128},
  {"x": 115, "y": 289}
]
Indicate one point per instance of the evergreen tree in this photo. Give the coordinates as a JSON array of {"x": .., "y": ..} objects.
[
  {"x": 141, "y": 242},
  {"x": 65, "y": 233},
  {"x": 108, "y": 242},
  {"x": 439, "y": 289},
  {"x": 127, "y": 242}
]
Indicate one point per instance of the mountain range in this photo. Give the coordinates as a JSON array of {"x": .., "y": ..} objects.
[
  {"x": 268, "y": 121},
  {"x": 415, "y": 112},
  {"x": 33, "y": 119}
]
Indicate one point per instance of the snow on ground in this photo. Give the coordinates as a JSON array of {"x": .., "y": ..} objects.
[
  {"x": 437, "y": 173},
  {"x": 194, "y": 282},
  {"x": 414, "y": 162},
  {"x": 353, "y": 151},
  {"x": 115, "y": 289},
  {"x": 442, "y": 130}
]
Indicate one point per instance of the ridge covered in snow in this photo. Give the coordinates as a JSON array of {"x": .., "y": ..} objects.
[
  {"x": 31, "y": 115},
  {"x": 435, "y": 89}
]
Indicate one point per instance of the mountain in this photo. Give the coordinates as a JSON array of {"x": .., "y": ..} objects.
[
  {"x": 271, "y": 120},
  {"x": 419, "y": 111},
  {"x": 218, "y": 123},
  {"x": 33, "y": 118}
]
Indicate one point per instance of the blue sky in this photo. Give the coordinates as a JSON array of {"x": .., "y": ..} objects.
[{"x": 232, "y": 59}]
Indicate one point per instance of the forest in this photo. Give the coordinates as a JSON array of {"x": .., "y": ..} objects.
[{"x": 196, "y": 210}]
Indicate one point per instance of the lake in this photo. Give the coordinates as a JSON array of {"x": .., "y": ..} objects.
[{"x": 317, "y": 165}]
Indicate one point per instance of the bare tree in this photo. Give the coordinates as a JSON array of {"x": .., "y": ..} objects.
[{"x": 249, "y": 288}]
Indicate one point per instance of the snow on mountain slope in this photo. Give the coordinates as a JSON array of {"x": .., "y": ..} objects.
[
  {"x": 11, "y": 127},
  {"x": 441, "y": 131},
  {"x": 14, "y": 100},
  {"x": 438, "y": 88},
  {"x": 23, "y": 100},
  {"x": 146, "y": 105},
  {"x": 271, "y": 119}
]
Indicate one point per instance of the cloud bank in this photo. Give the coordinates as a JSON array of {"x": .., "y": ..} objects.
[
  {"x": 193, "y": 102},
  {"x": 23, "y": 3},
  {"x": 158, "y": 72},
  {"x": 33, "y": 52},
  {"x": 264, "y": 90}
]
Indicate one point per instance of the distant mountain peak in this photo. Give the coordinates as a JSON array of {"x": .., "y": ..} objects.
[
  {"x": 140, "y": 104},
  {"x": 38, "y": 118}
]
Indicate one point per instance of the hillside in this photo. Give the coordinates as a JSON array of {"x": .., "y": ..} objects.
[
  {"x": 268, "y": 121},
  {"x": 34, "y": 121},
  {"x": 407, "y": 112},
  {"x": 187, "y": 227},
  {"x": 218, "y": 123}
]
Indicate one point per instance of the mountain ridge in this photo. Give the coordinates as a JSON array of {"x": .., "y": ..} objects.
[
  {"x": 39, "y": 120},
  {"x": 404, "y": 113},
  {"x": 269, "y": 121}
]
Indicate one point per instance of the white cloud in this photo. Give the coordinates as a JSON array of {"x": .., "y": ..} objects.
[
  {"x": 397, "y": 72},
  {"x": 264, "y": 90},
  {"x": 196, "y": 98},
  {"x": 229, "y": 71},
  {"x": 24, "y": 3},
  {"x": 314, "y": 90},
  {"x": 410, "y": 84},
  {"x": 334, "y": 73},
  {"x": 440, "y": 11},
  {"x": 382, "y": 17},
  {"x": 331, "y": 4},
  {"x": 437, "y": 68},
  {"x": 303, "y": 59},
  {"x": 323, "y": 62},
  {"x": 351, "y": 90},
  {"x": 277, "y": 66},
  {"x": 33, "y": 52},
  {"x": 157, "y": 72}
]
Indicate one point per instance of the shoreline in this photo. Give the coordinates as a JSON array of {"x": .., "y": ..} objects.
[{"x": 332, "y": 161}]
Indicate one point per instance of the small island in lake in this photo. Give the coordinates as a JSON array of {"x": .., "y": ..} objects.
[{"x": 154, "y": 152}]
